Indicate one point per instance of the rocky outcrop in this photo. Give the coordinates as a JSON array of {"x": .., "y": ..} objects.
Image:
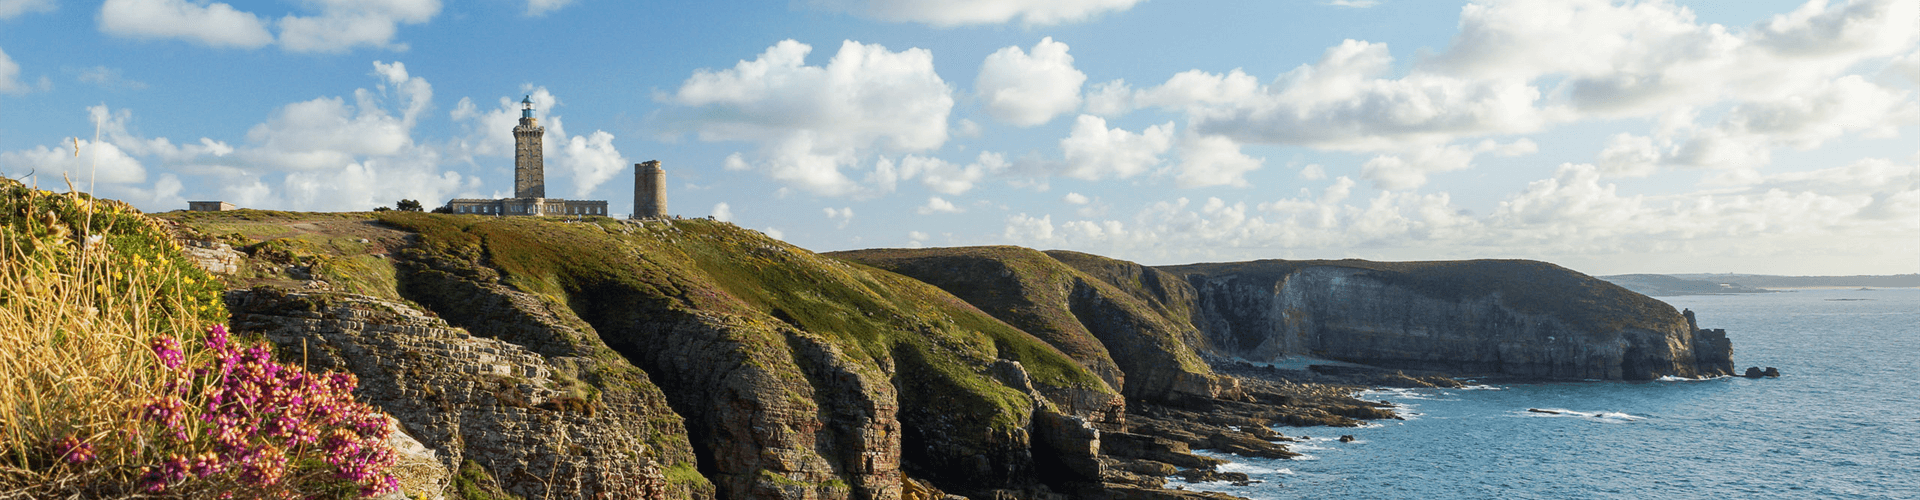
[
  {"x": 1494, "y": 318},
  {"x": 538, "y": 426}
]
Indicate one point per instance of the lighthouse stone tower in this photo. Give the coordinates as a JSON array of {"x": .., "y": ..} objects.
[
  {"x": 529, "y": 171},
  {"x": 529, "y": 180}
]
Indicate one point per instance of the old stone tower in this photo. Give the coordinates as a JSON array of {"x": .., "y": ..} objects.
[
  {"x": 529, "y": 170},
  {"x": 649, "y": 190}
]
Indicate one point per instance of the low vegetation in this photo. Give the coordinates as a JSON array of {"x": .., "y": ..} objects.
[{"x": 112, "y": 384}]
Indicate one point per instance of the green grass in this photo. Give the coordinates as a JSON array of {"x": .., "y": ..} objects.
[
  {"x": 717, "y": 268},
  {"x": 1036, "y": 292}
]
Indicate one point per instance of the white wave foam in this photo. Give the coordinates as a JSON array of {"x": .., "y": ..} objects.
[
  {"x": 1283, "y": 470},
  {"x": 1243, "y": 467},
  {"x": 1604, "y": 416}
]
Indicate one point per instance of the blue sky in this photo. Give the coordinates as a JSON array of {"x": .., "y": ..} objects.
[{"x": 1607, "y": 136}]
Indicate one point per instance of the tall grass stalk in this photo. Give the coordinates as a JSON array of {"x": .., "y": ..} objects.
[{"x": 76, "y": 320}]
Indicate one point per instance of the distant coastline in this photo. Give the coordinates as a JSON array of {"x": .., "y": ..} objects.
[{"x": 1668, "y": 285}]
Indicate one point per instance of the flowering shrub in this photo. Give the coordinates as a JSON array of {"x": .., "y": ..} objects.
[
  {"x": 109, "y": 389},
  {"x": 262, "y": 426}
]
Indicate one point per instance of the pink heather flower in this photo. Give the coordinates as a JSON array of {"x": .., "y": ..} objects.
[
  {"x": 207, "y": 464},
  {"x": 217, "y": 338},
  {"x": 169, "y": 352},
  {"x": 73, "y": 451}
]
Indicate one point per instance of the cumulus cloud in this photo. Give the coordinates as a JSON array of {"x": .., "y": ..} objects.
[
  {"x": 214, "y": 25},
  {"x": 1519, "y": 66},
  {"x": 1075, "y": 198},
  {"x": 1409, "y": 169},
  {"x": 844, "y": 215},
  {"x": 542, "y": 7},
  {"x": 946, "y": 13},
  {"x": 1095, "y": 152},
  {"x": 722, "y": 212},
  {"x": 1028, "y": 90},
  {"x": 939, "y": 175},
  {"x": 338, "y": 26},
  {"x": 1025, "y": 229},
  {"x": 1211, "y": 160},
  {"x": 812, "y": 122},
  {"x": 935, "y": 205},
  {"x": 10, "y": 76},
  {"x": 96, "y": 161},
  {"x": 346, "y": 24},
  {"x": 1346, "y": 101},
  {"x": 11, "y": 8},
  {"x": 328, "y": 133}
]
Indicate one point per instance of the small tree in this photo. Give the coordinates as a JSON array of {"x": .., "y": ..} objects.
[{"x": 408, "y": 206}]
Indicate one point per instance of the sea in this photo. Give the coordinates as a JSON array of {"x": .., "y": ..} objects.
[{"x": 1842, "y": 421}]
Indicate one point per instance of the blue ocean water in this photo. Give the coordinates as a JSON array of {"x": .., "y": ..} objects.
[{"x": 1843, "y": 421}]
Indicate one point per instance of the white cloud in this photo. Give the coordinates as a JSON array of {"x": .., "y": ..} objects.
[
  {"x": 722, "y": 212},
  {"x": 10, "y": 76},
  {"x": 1313, "y": 172},
  {"x": 340, "y": 25},
  {"x": 1409, "y": 168},
  {"x": 1110, "y": 99},
  {"x": 1344, "y": 101},
  {"x": 1075, "y": 198},
  {"x": 1095, "y": 152},
  {"x": 97, "y": 161},
  {"x": 1628, "y": 155},
  {"x": 542, "y": 7},
  {"x": 1357, "y": 4},
  {"x": 844, "y": 215},
  {"x": 944, "y": 177},
  {"x": 1519, "y": 66},
  {"x": 936, "y": 205},
  {"x": 1211, "y": 160},
  {"x": 945, "y": 13},
  {"x": 11, "y": 8},
  {"x": 215, "y": 24},
  {"x": 813, "y": 121},
  {"x": 346, "y": 24},
  {"x": 1028, "y": 90},
  {"x": 1029, "y": 230},
  {"x": 592, "y": 160},
  {"x": 110, "y": 78}
]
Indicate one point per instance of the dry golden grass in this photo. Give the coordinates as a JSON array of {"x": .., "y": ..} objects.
[{"x": 85, "y": 287}]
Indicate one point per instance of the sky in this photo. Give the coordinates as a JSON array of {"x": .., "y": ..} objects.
[{"x": 1610, "y": 137}]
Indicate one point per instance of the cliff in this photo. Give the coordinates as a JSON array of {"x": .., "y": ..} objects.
[{"x": 1510, "y": 318}]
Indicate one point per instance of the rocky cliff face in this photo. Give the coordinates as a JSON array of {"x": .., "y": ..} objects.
[
  {"x": 1505, "y": 318},
  {"x": 530, "y": 425}
]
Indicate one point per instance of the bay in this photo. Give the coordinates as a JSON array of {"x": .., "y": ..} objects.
[{"x": 1842, "y": 422}]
